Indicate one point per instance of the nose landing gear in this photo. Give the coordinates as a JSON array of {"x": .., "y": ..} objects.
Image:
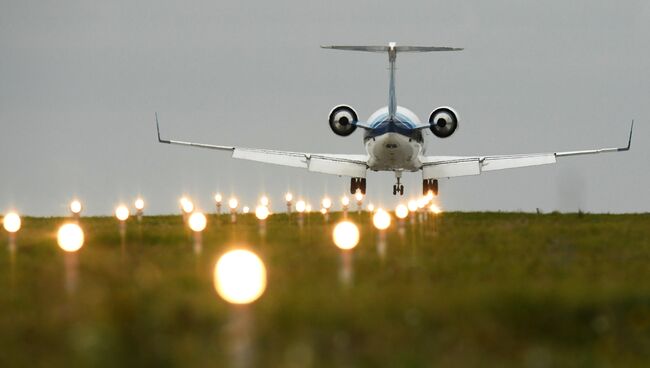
[{"x": 398, "y": 188}]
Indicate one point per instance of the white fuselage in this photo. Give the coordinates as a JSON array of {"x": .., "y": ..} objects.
[{"x": 394, "y": 146}]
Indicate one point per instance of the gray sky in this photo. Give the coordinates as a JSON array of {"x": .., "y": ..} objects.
[{"x": 80, "y": 82}]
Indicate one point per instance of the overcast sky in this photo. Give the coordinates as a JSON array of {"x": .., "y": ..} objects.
[{"x": 80, "y": 81}]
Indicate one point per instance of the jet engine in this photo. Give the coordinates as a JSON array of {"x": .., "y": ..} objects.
[
  {"x": 443, "y": 121},
  {"x": 342, "y": 119}
]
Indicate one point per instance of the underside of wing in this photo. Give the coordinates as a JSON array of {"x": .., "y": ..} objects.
[{"x": 436, "y": 167}]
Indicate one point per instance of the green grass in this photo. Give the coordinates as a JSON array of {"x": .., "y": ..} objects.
[{"x": 468, "y": 289}]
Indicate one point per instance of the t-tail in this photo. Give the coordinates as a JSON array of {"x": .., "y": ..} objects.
[{"x": 392, "y": 49}]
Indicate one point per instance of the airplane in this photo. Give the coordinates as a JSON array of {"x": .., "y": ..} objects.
[{"x": 394, "y": 141}]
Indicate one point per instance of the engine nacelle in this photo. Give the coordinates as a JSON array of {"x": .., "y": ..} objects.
[
  {"x": 443, "y": 121},
  {"x": 342, "y": 119}
]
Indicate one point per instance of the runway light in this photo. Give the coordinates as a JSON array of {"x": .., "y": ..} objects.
[
  {"x": 422, "y": 202},
  {"x": 371, "y": 207},
  {"x": 401, "y": 211},
  {"x": 186, "y": 205},
  {"x": 323, "y": 211},
  {"x": 381, "y": 219},
  {"x": 358, "y": 196},
  {"x": 429, "y": 196},
  {"x": 11, "y": 222},
  {"x": 70, "y": 237},
  {"x": 345, "y": 201},
  {"x": 301, "y": 206},
  {"x": 288, "y": 197},
  {"x": 308, "y": 208},
  {"x": 122, "y": 213},
  {"x": 240, "y": 277},
  {"x": 261, "y": 212},
  {"x": 75, "y": 207},
  {"x": 233, "y": 203},
  {"x": 218, "y": 198},
  {"x": 197, "y": 222},
  {"x": 435, "y": 209},
  {"x": 412, "y": 205},
  {"x": 327, "y": 203},
  {"x": 246, "y": 209},
  {"x": 139, "y": 204},
  {"x": 346, "y": 235},
  {"x": 264, "y": 201}
]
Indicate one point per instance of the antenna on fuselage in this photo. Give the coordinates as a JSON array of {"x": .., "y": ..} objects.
[{"x": 392, "y": 49}]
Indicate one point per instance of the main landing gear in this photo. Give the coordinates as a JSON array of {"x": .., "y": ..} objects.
[
  {"x": 398, "y": 188},
  {"x": 430, "y": 185},
  {"x": 358, "y": 184}
]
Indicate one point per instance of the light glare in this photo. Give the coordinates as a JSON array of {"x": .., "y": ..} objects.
[
  {"x": 288, "y": 197},
  {"x": 139, "y": 204},
  {"x": 327, "y": 203},
  {"x": 401, "y": 211},
  {"x": 122, "y": 212},
  {"x": 197, "y": 222},
  {"x": 186, "y": 205},
  {"x": 70, "y": 237},
  {"x": 233, "y": 203},
  {"x": 75, "y": 207},
  {"x": 11, "y": 222},
  {"x": 240, "y": 277},
  {"x": 261, "y": 212},
  {"x": 345, "y": 201},
  {"x": 301, "y": 206},
  {"x": 381, "y": 219},
  {"x": 218, "y": 198},
  {"x": 346, "y": 235}
]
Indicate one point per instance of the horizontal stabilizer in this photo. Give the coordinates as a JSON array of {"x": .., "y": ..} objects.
[{"x": 387, "y": 48}]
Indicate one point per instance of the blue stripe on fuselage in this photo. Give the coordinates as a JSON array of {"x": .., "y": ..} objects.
[{"x": 402, "y": 125}]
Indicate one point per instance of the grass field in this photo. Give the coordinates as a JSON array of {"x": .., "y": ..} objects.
[{"x": 468, "y": 289}]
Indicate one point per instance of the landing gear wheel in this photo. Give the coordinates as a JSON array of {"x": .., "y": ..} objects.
[
  {"x": 358, "y": 184},
  {"x": 394, "y": 189},
  {"x": 401, "y": 190},
  {"x": 430, "y": 185}
]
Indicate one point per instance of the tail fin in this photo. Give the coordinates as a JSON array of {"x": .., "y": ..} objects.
[{"x": 392, "y": 49}]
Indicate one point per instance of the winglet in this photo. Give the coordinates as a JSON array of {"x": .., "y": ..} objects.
[
  {"x": 158, "y": 130},
  {"x": 629, "y": 141}
]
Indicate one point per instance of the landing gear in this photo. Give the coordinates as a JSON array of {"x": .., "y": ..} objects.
[
  {"x": 398, "y": 188},
  {"x": 430, "y": 185},
  {"x": 358, "y": 184}
]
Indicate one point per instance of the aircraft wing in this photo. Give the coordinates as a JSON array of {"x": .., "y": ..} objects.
[
  {"x": 437, "y": 167},
  {"x": 335, "y": 164}
]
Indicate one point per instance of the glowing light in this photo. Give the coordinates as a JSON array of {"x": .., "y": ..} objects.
[
  {"x": 422, "y": 202},
  {"x": 371, "y": 207},
  {"x": 261, "y": 212},
  {"x": 429, "y": 196},
  {"x": 233, "y": 203},
  {"x": 218, "y": 198},
  {"x": 197, "y": 222},
  {"x": 139, "y": 204},
  {"x": 301, "y": 206},
  {"x": 358, "y": 196},
  {"x": 186, "y": 205},
  {"x": 75, "y": 207},
  {"x": 345, "y": 201},
  {"x": 240, "y": 277},
  {"x": 323, "y": 211},
  {"x": 264, "y": 201},
  {"x": 327, "y": 203},
  {"x": 434, "y": 208},
  {"x": 288, "y": 197},
  {"x": 122, "y": 212},
  {"x": 70, "y": 237},
  {"x": 381, "y": 219},
  {"x": 11, "y": 222},
  {"x": 412, "y": 205},
  {"x": 401, "y": 211},
  {"x": 346, "y": 235},
  {"x": 246, "y": 209},
  {"x": 308, "y": 208}
]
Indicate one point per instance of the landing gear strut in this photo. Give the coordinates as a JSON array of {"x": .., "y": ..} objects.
[
  {"x": 430, "y": 185},
  {"x": 398, "y": 188},
  {"x": 358, "y": 184}
]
